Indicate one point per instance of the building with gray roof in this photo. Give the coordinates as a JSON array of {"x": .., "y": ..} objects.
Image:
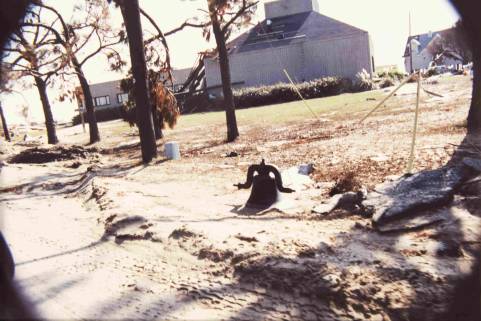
[
  {"x": 296, "y": 37},
  {"x": 110, "y": 95}
]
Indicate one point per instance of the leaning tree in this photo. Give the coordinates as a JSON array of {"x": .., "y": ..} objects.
[{"x": 225, "y": 15}]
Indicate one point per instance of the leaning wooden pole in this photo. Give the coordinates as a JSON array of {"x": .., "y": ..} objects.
[
  {"x": 415, "y": 129},
  {"x": 388, "y": 96}
]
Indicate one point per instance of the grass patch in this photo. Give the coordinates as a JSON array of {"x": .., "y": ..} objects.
[{"x": 293, "y": 111}]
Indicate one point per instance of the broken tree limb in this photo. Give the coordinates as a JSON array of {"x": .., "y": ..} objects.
[{"x": 432, "y": 93}]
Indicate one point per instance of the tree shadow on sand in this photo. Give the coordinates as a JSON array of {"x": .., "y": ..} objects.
[{"x": 334, "y": 283}]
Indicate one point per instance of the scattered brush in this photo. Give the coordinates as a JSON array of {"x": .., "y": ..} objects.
[
  {"x": 386, "y": 82},
  {"x": 166, "y": 104},
  {"x": 348, "y": 182},
  {"x": 40, "y": 155}
]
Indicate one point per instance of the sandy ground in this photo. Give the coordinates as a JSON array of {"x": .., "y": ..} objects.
[{"x": 104, "y": 237}]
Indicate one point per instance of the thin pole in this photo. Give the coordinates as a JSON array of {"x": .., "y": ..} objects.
[
  {"x": 416, "y": 116},
  {"x": 300, "y": 95},
  {"x": 410, "y": 46}
]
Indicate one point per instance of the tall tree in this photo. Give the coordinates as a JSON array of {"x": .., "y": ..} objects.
[
  {"x": 90, "y": 25},
  {"x": 32, "y": 53},
  {"x": 469, "y": 11},
  {"x": 224, "y": 14},
  {"x": 165, "y": 109},
  {"x": 131, "y": 15}
]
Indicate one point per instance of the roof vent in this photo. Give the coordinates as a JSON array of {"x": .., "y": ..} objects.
[
  {"x": 283, "y": 8},
  {"x": 430, "y": 34}
]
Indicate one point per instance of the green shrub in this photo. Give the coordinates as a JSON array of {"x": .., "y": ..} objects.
[
  {"x": 103, "y": 114},
  {"x": 273, "y": 94},
  {"x": 281, "y": 93},
  {"x": 395, "y": 75}
]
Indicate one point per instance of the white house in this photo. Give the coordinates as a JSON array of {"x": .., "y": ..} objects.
[{"x": 423, "y": 53}]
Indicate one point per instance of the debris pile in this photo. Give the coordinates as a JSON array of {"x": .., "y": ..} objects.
[
  {"x": 414, "y": 194},
  {"x": 39, "y": 155}
]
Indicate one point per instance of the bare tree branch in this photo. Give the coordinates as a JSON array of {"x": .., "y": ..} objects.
[
  {"x": 184, "y": 25},
  {"x": 164, "y": 43},
  {"x": 242, "y": 10}
]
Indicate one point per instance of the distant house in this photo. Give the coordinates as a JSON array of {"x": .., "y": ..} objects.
[
  {"x": 294, "y": 36},
  {"x": 105, "y": 95},
  {"x": 423, "y": 51},
  {"x": 110, "y": 95}
]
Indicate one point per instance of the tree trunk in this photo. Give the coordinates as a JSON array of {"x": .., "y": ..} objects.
[
  {"x": 469, "y": 11},
  {"x": 156, "y": 116},
  {"x": 232, "y": 131},
  {"x": 474, "y": 116},
  {"x": 88, "y": 99},
  {"x": 4, "y": 124},
  {"x": 131, "y": 15},
  {"x": 47, "y": 111}
]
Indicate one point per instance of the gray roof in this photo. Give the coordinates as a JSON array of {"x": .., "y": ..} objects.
[
  {"x": 423, "y": 39},
  {"x": 290, "y": 29}
]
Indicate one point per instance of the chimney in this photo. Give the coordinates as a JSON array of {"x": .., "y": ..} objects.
[
  {"x": 282, "y": 8},
  {"x": 430, "y": 34}
]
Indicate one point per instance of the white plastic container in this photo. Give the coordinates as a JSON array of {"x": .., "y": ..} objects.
[{"x": 172, "y": 150}]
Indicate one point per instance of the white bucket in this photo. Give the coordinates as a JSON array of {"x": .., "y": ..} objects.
[{"x": 172, "y": 150}]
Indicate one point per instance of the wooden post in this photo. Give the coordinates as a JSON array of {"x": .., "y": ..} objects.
[
  {"x": 416, "y": 116},
  {"x": 300, "y": 95},
  {"x": 410, "y": 45}
]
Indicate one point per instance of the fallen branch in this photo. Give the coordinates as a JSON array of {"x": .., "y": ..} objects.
[{"x": 432, "y": 93}]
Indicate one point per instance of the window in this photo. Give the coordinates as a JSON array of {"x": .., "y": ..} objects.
[
  {"x": 122, "y": 98},
  {"x": 102, "y": 101}
]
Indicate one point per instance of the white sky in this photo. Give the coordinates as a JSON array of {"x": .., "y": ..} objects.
[{"x": 385, "y": 20}]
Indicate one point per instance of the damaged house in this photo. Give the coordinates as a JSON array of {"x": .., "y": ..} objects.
[{"x": 430, "y": 49}]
